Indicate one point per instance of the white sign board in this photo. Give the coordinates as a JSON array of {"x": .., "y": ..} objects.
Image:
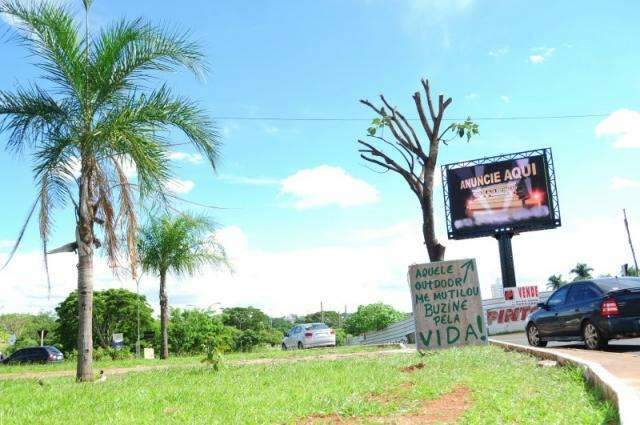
[
  {"x": 447, "y": 304},
  {"x": 522, "y": 295}
]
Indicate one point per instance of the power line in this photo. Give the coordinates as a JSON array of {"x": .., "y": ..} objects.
[{"x": 487, "y": 118}]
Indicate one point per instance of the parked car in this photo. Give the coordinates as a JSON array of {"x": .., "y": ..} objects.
[
  {"x": 594, "y": 311},
  {"x": 46, "y": 354},
  {"x": 308, "y": 335}
]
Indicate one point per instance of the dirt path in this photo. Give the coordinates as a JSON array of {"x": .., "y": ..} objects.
[{"x": 258, "y": 361}]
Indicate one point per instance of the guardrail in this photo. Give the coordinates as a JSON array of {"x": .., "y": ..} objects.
[{"x": 501, "y": 317}]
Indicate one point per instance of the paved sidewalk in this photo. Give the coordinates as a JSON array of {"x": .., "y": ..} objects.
[{"x": 621, "y": 359}]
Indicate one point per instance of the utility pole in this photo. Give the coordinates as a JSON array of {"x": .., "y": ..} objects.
[
  {"x": 633, "y": 252},
  {"x": 321, "y": 312}
]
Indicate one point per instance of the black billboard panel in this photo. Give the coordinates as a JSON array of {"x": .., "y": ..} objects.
[{"x": 514, "y": 193}]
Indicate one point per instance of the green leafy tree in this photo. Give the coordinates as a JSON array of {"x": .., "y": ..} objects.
[
  {"x": 372, "y": 317},
  {"x": 182, "y": 245},
  {"x": 330, "y": 317},
  {"x": 26, "y": 328},
  {"x": 281, "y": 324},
  {"x": 402, "y": 150},
  {"x": 98, "y": 111},
  {"x": 632, "y": 271},
  {"x": 195, "y": 331},
  {"x": 114, "y": 311},
  {"x": 581, "y": 272},
  {"x": 555, "y": 281},
  {"x": 245, "y": 318}
]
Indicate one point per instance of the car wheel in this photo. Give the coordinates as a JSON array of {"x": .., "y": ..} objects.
[
  {"x": 284, "y": 347},
  {"x": 533, "y": 336},
  {"x": 300, "y": 346},
  {"x": 592, "y": 337}
]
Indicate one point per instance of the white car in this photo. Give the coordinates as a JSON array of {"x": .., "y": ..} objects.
[{"x": 308, "y": 335}]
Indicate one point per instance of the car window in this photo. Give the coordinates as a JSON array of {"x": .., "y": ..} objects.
[
  {"x": 558, "y": 297},
  {"x": 53, "y": 350},
  {"x": 618, "y": 283},
  {"x": 315, "y": 326}
]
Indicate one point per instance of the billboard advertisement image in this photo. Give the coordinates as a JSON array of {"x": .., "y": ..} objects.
[{"x": 515, "y": 191}]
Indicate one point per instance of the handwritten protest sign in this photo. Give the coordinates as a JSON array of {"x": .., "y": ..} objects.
[{"x": 447, "y": 305}]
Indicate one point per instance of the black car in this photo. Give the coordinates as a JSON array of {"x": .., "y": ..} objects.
[
  {"x": 46, "y": 354},
  {"x": 592, "y": 311}
]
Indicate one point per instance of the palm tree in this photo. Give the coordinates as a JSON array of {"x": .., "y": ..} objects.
[
  {"x": 181, "y": 245},
  {"x": 582, "y": 272},
  {"x": 96, "y": 118},
  {"x": 555, "y": 281}
]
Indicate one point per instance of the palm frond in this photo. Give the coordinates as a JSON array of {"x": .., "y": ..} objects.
[
  {"x": 30, "y": 115},
  {"x": 49, "y": 31},
  {"x": 23, "y": 229},
  {"x": 131, "y": 51},
  {"x": 182, "y": 244}
]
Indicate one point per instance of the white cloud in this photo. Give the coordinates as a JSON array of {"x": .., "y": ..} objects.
[
  {"x": 6, "y": 243},
  {"x": 505, "y": 99},
  {"x": 180, "y": 187},
  {"x": 541, "y": 54},
  {"x": 536, "y": 58},
  {"x": 623, "y": 126},
  {"x": 471, "y": 96},
  {"x": 252, "y": 181},
  {"x": 193, "y": 158},
  {"x": 327, "y": 185},
  {"x": 499, "y": 52},
  {"x": 618, "y": 183}
]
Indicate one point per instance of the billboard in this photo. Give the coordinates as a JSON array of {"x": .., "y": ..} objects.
[{"x": 514, "y": 192}]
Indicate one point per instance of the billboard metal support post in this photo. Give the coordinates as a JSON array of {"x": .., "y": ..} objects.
[{"x": 506, "y": 259}]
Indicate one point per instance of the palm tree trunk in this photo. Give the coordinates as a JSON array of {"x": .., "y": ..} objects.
[
  {"x": 84, "y": 239},
  {"x": 164, "y": 315}
]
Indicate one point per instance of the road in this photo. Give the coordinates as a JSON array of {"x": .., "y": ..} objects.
[
  {"x": 621, "y": 358},
  {"x": 631, "y": 346}
]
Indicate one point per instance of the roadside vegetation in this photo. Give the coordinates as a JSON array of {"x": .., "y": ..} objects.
[
  {"x": 190, "y": 332},
  {"x": 581, "y": 271},
  {"x": 490, "y": 386}
]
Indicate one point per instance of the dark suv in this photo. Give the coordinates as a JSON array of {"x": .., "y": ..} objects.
[
  {"x": 593, "y": 311},
  {"x": 47, "y": 354}
]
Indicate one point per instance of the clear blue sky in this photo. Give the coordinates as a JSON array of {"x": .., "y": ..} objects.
[{"x": 316, "y": 59}]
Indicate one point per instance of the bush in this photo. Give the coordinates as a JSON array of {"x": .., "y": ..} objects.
[
  {"x": 372, "y": 317},
  {"x": 111, "y": 354},
  {"x": 191, "y": 330},
  {"x": 247, "y": 341},
  {"x": 341, "y": 336}
]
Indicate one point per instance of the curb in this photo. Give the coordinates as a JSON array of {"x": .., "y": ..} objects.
[{"x": 625, "y": 398}]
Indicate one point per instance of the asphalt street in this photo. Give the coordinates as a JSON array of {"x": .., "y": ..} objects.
[{"x": 630, "y": 346}]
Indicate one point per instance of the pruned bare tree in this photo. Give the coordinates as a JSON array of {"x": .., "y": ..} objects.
[{"x": 405, "y": 153}]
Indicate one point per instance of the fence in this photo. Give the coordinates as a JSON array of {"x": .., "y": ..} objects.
[{"x": 501, "y": 317}]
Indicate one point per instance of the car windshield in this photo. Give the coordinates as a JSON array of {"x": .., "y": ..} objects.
[
  {"x": 53, "y": 350},
  {"x": 617, "y": 284},
  {"x": 315, "y": 326}
]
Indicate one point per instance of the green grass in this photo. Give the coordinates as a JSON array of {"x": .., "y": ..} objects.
[
  {"x": 274, "y": 353},
  {"x": 506, "y": 388}
]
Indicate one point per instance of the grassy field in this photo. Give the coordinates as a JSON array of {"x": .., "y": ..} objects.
[
  {"x": 187, "y": 360},
  {"x": 504, "y": 388}
]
